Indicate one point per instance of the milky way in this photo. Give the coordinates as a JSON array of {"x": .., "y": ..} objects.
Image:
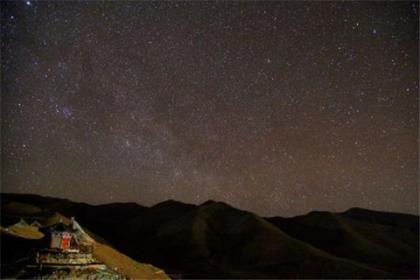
[{"x": 274, "y": 107}]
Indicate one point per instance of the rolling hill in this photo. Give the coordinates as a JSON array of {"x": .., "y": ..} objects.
[
  {"x": 215, "y": 240},
  {"x": 389, "y": 248}
]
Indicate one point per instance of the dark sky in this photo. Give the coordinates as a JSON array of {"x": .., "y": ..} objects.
[{"x": 275, "y": 107}]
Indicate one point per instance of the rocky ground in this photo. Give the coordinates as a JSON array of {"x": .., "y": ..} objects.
[{"x": 67, "y": 273}]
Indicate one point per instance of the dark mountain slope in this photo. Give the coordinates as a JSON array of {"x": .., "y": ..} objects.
[
  {"x": 100, "y": 217},
  {"x": 215, "y": 240},
  {"x": 407, "y": 221},
  {"x": 389, "y": 248}
]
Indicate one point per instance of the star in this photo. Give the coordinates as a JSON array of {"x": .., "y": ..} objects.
[{"x": 298, "y": 106}]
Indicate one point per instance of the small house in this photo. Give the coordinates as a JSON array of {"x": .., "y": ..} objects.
[
  {"x": 60, "y": 240},
  {"x": 60, "y": 237},
  {"x": 66, "y": 244}
]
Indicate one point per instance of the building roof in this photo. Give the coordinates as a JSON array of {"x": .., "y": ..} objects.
[{"x": 60, "y": 227}]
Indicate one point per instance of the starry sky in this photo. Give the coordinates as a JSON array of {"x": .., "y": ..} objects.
[{"x": 279, "y": 108}]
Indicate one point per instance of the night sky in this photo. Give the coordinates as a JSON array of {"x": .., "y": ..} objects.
[{"x": 274, "y": 107}]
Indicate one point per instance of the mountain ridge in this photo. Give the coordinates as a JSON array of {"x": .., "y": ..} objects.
[{"x": 29, "y": 196}]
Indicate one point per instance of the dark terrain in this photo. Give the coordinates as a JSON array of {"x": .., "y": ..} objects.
[{"x": 215, "y": 240}]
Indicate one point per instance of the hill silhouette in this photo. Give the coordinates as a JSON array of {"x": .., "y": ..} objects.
[
  {"x": 215, "y": 240},
  {"x": 390, "y": 248}
]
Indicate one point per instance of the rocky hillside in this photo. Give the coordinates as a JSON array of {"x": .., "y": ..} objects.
[{"x": 20, "y": 238}]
